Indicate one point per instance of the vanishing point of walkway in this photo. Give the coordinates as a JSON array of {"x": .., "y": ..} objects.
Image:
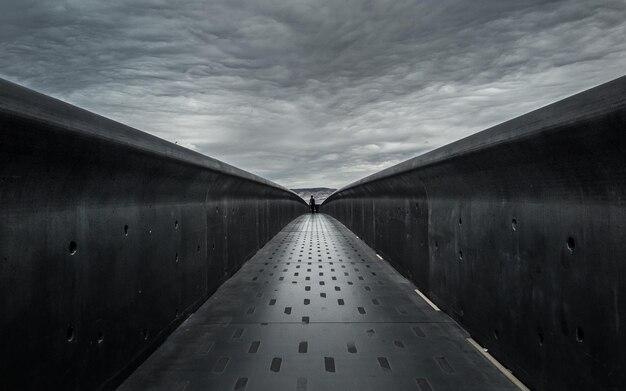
[{"x": 316, "y": 309}]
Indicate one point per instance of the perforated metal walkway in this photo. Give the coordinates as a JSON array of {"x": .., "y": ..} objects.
[{"x": 316, "y": 309}]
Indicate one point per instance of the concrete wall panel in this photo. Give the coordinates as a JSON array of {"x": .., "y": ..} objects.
[
  {"x": 517, "y": 232},
  {"x": 109, "y": 239}
]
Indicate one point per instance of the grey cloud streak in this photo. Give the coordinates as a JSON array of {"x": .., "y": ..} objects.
[{"x": 311, "y": 93}]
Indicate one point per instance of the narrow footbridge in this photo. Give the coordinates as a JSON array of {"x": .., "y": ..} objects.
[
  {"x": 317, "y": 309},
  {"x": 496, "y": 262}
]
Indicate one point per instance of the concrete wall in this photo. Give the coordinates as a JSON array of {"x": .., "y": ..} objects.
[
  {"x": 518, "y": 232},
  {"x": 110, "y": 238}
]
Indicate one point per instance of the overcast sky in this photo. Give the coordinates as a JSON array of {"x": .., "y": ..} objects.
[{"x": 311, "y": 93}]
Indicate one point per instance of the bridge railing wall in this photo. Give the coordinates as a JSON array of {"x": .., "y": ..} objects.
[
  {"x": 518, "y": 232},
  {"x": 109, "y": 239}
]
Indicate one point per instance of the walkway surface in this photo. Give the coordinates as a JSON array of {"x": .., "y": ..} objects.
[{"x": 316, "y": 309}]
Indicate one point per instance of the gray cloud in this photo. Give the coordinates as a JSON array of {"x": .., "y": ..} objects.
[{"x": 311, "y": 93}]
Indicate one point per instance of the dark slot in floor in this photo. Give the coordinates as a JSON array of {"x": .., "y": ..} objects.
[{"x": 342, "y": 320}]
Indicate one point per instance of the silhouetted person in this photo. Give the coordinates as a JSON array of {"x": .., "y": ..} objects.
[{"x": 312, "y": 204}]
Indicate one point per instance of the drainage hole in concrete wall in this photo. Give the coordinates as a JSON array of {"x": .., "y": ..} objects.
[
  {"x": 571, "y": 244},
  {"x": 73, "y": 248},
  {"x": 540, "y": 336},
  {"x": 100, "y": 337},
  {"x": 460, "y": 255},
  {"x": 460, "y": 221},
  {"x": 580, "y": 335},
  {"x": 176, "y": 224},
  {"x": 496, "y": 334},
  {"x": 70, "y": 334},
  {"x": 514, "y": 225},
  {"x": 176, "y": 257},
  {"x": 126, "y": 230},
  {"x": 144, "y": 334}
]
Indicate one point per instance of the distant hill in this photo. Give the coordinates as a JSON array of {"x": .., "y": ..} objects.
[{"x": 319, "y": 193}]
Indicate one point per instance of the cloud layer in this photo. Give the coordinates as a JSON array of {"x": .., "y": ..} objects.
[{"x": 311, "y": 93}]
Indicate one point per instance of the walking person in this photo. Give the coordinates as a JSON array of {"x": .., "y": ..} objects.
[{"x": 312, "y": 204}]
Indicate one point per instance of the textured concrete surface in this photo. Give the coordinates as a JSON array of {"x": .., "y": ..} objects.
[
  {"x": 316, "y": 309},
  {"x": 517, "y": 233},
  {"x": 109, "y": 238}
]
